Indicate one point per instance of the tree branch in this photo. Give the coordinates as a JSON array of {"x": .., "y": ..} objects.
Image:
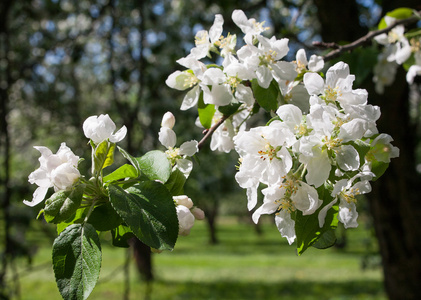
[
  {"x": 339, "y": 49},
  {"x": 210, "y": 131}
]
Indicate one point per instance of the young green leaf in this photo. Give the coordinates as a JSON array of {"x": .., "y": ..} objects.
[
  {"x": 155, "y": 165},
  {"x": 148, "y": 209},
  {"x": 175, "y": 183},
  {"x": 131, "y": 159},
  {"x": 267, "y": 98},
  {"x": 103, "y": 156},
  {"x": 206, "y": 112},
  {"x": 399, "y": 13},
  {"x": 125, "y": 171},
  {"x": 77, "y": 261},
  {"x": 63, "y": 204}
]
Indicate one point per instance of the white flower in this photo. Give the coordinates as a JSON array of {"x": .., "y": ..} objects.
[
  {"x": 384, "y": 71},
  {"x": 315, "y": 64},
  {"x": 222, "y": 137},
  {"x": 185, "y": 220},
  {"x": 397, "y": 45},
  {"x": 414, "y": 70},
  {"x": 381, "y": 149},
  {"x": 290, "y": 195},
  {"x": 205, "y": 41},
  {"x": 266, "y": 62},
  {"x": 168, "y": 138},
  {"x": 346, "y": 191},
  {"x": 100, "y": 128},
  {"x": 285, "y": 225},
  {"x": 338, "y": 85},
  {"x": 56, "y": 170},
  {"x": 188, "y": 79},
  {"x": 249, "y": 27},
  {"x": 264, "y": 155}
]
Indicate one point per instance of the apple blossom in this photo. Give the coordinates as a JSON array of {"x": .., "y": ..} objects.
[
  {"x": 56, "y": 170},
  {"x": 186, "y": 213},
  {"x": 177, "y": 156},
  {"x": 249, "y": 27},
  {"x": 205, "y": 41},
  {"x": 100, "y": 128}
]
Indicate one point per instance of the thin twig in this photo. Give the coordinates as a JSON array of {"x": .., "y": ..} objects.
[
  {"x": 339, "y": 49},
  {"x": 211, "y": 131}
]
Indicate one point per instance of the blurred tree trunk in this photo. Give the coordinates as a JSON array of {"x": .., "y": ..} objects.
[
  {"x": 395, "y": 204},
  {"x": 211, "y": 214},
  {"x": 5, "y": 191}
]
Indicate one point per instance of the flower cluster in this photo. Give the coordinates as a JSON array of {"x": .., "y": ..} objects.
[
  {"x": 298, "y": 153},
  {"x": 320, "y": 149},
  {"x": 259, "y": 60},
  {"x": 398, "y": 50}
]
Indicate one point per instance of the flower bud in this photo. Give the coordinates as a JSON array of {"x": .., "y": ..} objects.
[
  {"x": 168, "y": 120},
  {"x": 183, "y": 200},
  {"x": 198, "y": 213},
  {"x": 185, "y": 220}
]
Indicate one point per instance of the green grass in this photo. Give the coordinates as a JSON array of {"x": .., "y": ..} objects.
[{"x": 242, "y": 266}]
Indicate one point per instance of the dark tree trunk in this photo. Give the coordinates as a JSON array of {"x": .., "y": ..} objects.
[
  {"x": 395, "y": 202},
  {"x": 5, "y": 190},
  {"x": 211, "y": 215},
  {"x": 339, "y": 20}
]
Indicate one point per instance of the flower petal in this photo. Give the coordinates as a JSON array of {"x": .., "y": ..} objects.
[{"x": 38, "y": 196}]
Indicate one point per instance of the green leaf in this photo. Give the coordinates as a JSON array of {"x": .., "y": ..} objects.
[
  {"x": 327, "y": 240},
  {"x": 63, "y": 204},
  {"x": 125, "y": 171},
  {"x": 103, "y": 156},
  {"x": 307, "y": 228},
  {"x": 155, "y": 165},
  {"x": 206, "y": 112},
  {"x": 378, "y": 168},
  {"x": 148, "y": 209},
  {"x": 230, "y": 109},
  {"x": 77, "y": 261},
  {"x": 120, "y": 235},
  {"x": 267, "y": 98},
  {"x": 131, "y": 159},
  {"x": 104, "y": 217},
  {"x": 175, "y": 183},
  {"x": 399, "y": 13},
  {"x": 77, "y": 218}
]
